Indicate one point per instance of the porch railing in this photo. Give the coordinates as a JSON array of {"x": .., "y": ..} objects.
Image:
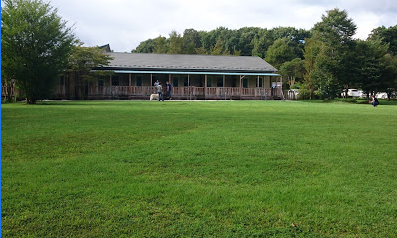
[{"x": 185, "y": 91}]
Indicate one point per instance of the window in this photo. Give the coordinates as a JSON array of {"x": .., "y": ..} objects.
[
  {"x": 61, "y": 80},
  {"x": 245, "y": 83},
  {"x": 219, "y": 81},
  {"x": 115, "y": 80},
  {"x": 260, "y": 82},
  {"x": 175, "y": 81},
  {"x": 185, "y": 81},
  {"x": 209, "y": 82},
  {"x": 138, "y": 81}
]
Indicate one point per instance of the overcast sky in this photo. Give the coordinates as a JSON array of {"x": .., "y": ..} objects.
[{"x": 125, "y": 23}]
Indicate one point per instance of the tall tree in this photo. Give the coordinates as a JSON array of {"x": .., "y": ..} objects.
[
  {"x": 35, "y": 46},
  {"x": 175, "y": 43},
  {"x": 377, "y": 70},
  {"x": 191, "y": 41},
  {"x": 389, "y": 76},
  {"x": 333, "y": 39}
]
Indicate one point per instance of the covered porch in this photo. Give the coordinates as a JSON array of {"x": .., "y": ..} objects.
[{"x": 188, "y": 85}]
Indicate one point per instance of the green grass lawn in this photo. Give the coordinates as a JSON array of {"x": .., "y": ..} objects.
[{"x": 198, "y": 169}]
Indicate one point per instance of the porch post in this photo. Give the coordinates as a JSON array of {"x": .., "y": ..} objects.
[
  {"x": 151, "y": 80},
  {"x": 224, "y": 87},
  {"x": 205, "y": 86},
  {"x": 258, "y": 82},
  {"x": 188, "y": 86},
  {"x": 281, "y": 87},
  {"x": 129, "y": 83},
  {"x": 257, "y": 87}
]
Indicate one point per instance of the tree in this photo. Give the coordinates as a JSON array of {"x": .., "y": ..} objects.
[
  {"x": 377, "y": 69},
  {"x": 146, "y": 46},
  {"x": 191, "y": 41},
  {"x": 260, "y": 44},
  {"x": 295, "y": 36},
  {"x": 390, "y": 74},
  {"x": 292, "y": 70},
  {"x": 160, "y": 45},
  {"x": 35, "y": 46},
  {"x": 201, "y": 51},
  {"x": 313, "y": 52},
  {"x": 218, "y": 48},
  {"x": 81, "y": 61},
  {"x": 331, "y": 42},
  {"x": 387, "y": 36},
  {"x": 280, "y": 52},
  {"x": 175, "y": 43}
]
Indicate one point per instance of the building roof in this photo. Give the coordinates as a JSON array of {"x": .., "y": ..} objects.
[
  {"x": 188, "y": 63},
  {"x": 105, "y": 48}
]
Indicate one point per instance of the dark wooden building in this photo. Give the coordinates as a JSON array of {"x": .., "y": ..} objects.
[{"x": 191, "y": 77}]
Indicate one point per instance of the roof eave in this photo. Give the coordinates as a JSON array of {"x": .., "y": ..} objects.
[{"x": 196, "y": 70}]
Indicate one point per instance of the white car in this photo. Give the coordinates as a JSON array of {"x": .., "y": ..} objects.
[{"x": 355, "y": 93}]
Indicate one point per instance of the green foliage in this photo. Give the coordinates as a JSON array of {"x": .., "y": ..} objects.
[
  {"x": 81, "y": 61},
  {"x": 146, "y": 46},
  {"x": 335, "y": 28},
  {"x": 191, "y": 41},
  {"x": 201, "y": 51},
  {"x": 377, "y": 69},
  {"x": 280, "y": 52},
  {"x": 330, "y": 45},
  {"x": 175, "y": 43},
  {"x": 245, "y": 41},
  {"x": 387, "y": 36},
  {"x": 218, "y": 48},
  {"x": 292, "y": 70},
  {"x": 160, "y": 45},
  {"x": 35, "y": 45},
  {"x": 198, "y": 169}
]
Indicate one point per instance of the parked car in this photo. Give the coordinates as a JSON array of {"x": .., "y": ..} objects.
[{"x": 355, "y": 93}]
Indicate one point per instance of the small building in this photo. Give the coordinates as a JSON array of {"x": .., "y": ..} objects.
[{"x": 191, "y": 76}]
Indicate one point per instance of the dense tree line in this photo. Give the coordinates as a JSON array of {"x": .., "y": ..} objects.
[
  {"x": 322, "y": 62},
  {"x": 246, "y": 41}
]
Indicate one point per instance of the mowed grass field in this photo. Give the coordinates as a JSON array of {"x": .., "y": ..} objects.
[{"x": 198, "y": 169}]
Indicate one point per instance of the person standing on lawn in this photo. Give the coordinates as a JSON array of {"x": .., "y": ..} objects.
[
  {"x": 169, "y": 90},
  {"x": 160, "y": 92},
  {"x": 156, "y": 84}
]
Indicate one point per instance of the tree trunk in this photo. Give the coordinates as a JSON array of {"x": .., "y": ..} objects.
[{"x": 31, "y": 101}]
